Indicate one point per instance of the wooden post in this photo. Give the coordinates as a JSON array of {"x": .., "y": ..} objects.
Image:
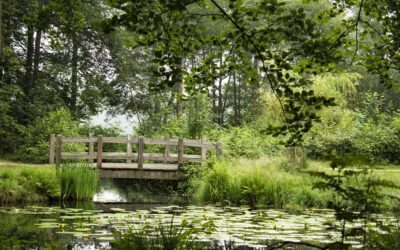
[
  {"x": 129, "y": 149},
  {"x": 203, "y": 149},
  {"x": 51, "y": 146},
  {"x": 99, "y": 151},
  {"x": 91, "y": 148},
  {"x": 166, "y": 148},
  {"x": 140, "y": 152},
  {"x": 59, "y": 150},
  {"x": 219, "y": 150},
  {"x": 180, "y": 151}
]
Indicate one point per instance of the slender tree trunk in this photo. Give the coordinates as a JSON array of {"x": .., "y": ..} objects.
[
  {"x": 179, "y": 90},
  {"x": 29, "y": 59},
  {"x": 36, "y": 59},
  {"x": 1, "y": 41},
  {"x": 214, "y": 102},
  {"x": 220, "y": 109},
  {"x": 235, "y": 101},
  {"x": 239, "y": 102},
  {"x": 74, "y": 75}
]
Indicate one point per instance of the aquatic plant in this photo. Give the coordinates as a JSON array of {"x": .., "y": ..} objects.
[
  {"x": 164, "y": 236},
  {"x": 78, "y": 181}
]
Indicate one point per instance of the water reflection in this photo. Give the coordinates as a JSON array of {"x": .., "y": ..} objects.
[{"x": 37, "y": 227}]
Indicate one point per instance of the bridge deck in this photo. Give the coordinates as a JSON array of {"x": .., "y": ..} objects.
[
  {"x": 146, "y": 166},
  {"x": 149, "y": 171}
]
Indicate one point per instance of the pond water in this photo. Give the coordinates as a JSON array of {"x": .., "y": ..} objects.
[
  {"x": 92, "y": 228},
  {"x": 92, "y": 225}
]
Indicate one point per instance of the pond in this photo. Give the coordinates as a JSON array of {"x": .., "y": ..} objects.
[{"x": 92, "y": 225}]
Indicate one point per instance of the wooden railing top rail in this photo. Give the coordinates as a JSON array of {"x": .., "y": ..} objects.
[
  {"x": 134, "y": 140},
  {"x": 56, "y": 154}
]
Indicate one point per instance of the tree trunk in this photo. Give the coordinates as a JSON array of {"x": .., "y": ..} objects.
[
  {"x": 36, "y": 60},
  {"x": 29, "y": 59},
  {"x": 235, "y": 101},
  {"x": 239, "y": 100},
  {"x": 1, "y": 41},
  {"x": 179, "y": 90},
  {"x": 220, "y": 110},
  {"x": 74, "y": 75}
]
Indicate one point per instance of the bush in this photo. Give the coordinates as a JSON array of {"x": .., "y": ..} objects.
[{"x": 35, "y": 146}]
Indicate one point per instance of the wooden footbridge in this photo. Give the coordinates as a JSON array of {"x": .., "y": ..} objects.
[{"x": 134, "y": 162}]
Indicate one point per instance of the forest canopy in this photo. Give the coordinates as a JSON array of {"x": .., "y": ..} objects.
[{"x": 252, "y": 73}]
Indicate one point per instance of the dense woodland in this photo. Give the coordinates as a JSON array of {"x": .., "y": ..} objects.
[{"x": 259, "y": 75}]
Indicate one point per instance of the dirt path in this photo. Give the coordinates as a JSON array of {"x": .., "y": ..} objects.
[{"x": 15, "y": 164}]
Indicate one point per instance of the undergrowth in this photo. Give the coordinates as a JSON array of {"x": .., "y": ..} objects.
[{"x": 262, "y": 182}]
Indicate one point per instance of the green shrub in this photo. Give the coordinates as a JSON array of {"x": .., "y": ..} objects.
[
  {"x": 78, "y": 181},
  {"x": 35, "y": 146}
]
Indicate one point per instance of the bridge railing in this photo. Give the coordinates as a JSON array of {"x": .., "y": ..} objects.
[{"x": 56, "y": 154}]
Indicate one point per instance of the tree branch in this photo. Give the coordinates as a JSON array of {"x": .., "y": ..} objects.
[
  {"x": 257, "y": 50},
  {"x": 357, "y": 22}
]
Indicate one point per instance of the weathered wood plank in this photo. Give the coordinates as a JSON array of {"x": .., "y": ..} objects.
[
  {"x": 203, "y": 149},
  {"x": 146, "y": 166},
  {"x": 140, "y": 152},
  {"x": 180, "y": 151},
  {"x": 120, "y": 140},
  {"x": 219, "y": 150},
  {"x": 141, "y": 174},
  {"x": 166, "y": 148},
  {"x": 52, "y": 148},
  {"x": 77, "y": 155},
  {"x": 91, "y": 148},
  {"x": 99, "y": 151},
  {"x": 79, "y": 139},
  {"x": 129, "y": 149},
  {"x": 162, "y": 142},
  {"x": 59, "y": 141}
]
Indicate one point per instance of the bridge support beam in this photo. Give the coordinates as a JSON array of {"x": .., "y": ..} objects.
[{"x": 141, "y": 174}]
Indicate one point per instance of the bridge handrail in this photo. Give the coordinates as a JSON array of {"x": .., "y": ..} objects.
[{"x": 56, "y": 154}]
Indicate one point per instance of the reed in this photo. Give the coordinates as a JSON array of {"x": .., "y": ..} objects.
[{"x": 78, "y": 181}]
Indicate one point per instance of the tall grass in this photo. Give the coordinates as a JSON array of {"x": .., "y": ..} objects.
[
  {"x": 78, "y": 181},
  {"x": 257, "y": 183},
  {"x": 19, "y": 184}
]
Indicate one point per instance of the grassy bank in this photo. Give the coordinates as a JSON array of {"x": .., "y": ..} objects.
[
  {"x": 19, "y": 184},
  {"x": 268, "y": 181},
  {"x": 262, "y": 182}
]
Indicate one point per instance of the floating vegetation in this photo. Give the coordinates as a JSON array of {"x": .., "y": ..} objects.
[{"x": 236, "y": 225}]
